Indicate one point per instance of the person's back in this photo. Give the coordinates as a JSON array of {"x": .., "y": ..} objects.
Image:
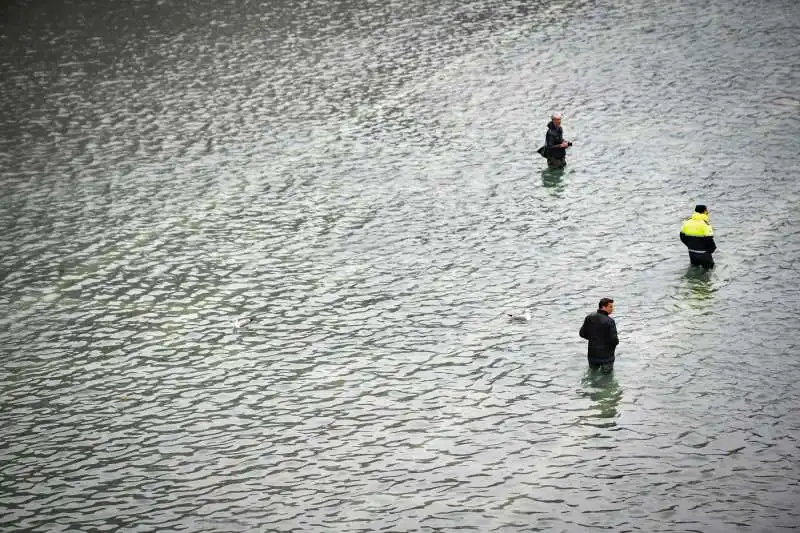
[
  {"x": 601, "y": 332},
  {"x": 698, "y": 236}
]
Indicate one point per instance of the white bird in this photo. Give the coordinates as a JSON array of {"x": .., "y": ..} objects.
[
  {"x": 524, "y": 317},
  {"x": 243, "y": 322}
]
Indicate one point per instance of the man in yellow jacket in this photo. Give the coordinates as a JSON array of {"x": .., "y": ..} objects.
[{"x": 698, "y": 236}]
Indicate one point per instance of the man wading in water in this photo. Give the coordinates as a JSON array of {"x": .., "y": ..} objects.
[
  {"x": 698, "y": 236},
  {"x": 555, "y": 147},
  {"x": 601, "y": 332}
]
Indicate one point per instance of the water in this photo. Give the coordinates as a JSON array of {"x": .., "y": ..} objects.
[{"x": 363, "y": 177}]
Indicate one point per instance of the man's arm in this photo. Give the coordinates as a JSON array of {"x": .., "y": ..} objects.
[
  {"x": 584, "y": 332},
  {"x": 683, "y": 238},
  {"x": 711, "y": 245},
  {"x": 613, "y": 338}
]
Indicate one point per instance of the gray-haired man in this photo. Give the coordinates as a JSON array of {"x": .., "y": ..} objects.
[{"x": 555, "y": 145}]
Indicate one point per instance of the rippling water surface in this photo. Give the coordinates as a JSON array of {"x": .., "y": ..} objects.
[{"x": 362, "y": 177}]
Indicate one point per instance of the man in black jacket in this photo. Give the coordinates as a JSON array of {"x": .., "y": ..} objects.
[
  {"x": 555, "y": 145},
  {"x": 601, "y": 332}
]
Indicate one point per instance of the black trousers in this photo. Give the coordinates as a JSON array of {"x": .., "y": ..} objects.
[
  {"x": 556, "y": 162},
  {"x": 704, "y": 259},
  {"x": 605, "y": 368}
]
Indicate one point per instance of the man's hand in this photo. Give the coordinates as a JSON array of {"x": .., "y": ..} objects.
[{"x": 563, "y": 144}]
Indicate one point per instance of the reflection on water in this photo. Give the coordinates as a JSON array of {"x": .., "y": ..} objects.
[
  {"x": 605, "y": 394},
  {"x": 700, "y": 283},
  {"x": 700, "y": 278},
  {"x": 551, "y": 179}
]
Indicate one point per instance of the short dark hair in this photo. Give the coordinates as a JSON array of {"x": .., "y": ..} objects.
[
  {"x": 604, "y": 302},
  {"x": 700, "y": 208}
]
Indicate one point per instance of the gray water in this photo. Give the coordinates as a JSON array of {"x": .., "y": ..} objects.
[{"x": 362, "y": 176}]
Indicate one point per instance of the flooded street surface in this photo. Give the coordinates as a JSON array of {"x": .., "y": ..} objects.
[{"x": 362, "y": 178}]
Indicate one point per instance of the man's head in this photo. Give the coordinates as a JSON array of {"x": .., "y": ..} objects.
[
  {"x": 556, "y": 118},
  {"x": 607, "y": 305},
  {"x": 700, "y": 208}
]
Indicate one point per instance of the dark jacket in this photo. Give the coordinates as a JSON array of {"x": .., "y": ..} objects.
[
  {"x": 601, "y": 332},
  {"x": 554, "y": 137}
]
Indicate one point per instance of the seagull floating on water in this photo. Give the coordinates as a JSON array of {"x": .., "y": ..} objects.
[
  {"x": 524, "y": 317},
  {"x": 245, "y": 321}
]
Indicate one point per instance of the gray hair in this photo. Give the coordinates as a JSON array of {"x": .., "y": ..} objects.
[{"x": 555, "y": 116}]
